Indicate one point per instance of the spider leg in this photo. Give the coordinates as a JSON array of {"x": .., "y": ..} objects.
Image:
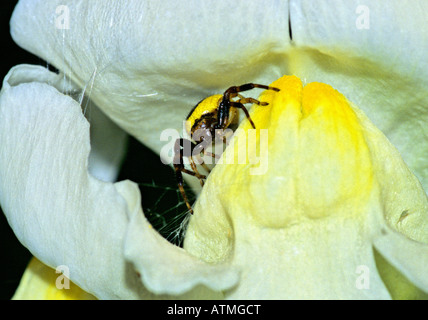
[
  {"x": 202, "y": 163},
  {"x": 205, "y": 166},
  {"x": 247, "y": 114},
  {"x": 251, "y": 100},
  {"x": 195, "y": 170},
  {"x": 197, "y": 151},
  {"x": 240, "y": 96},
  {"x": 179, "y": 177},
  {"x": 248, "y": 86},
  {"x": 179, "y": 153},
  {"x": 226, "y": 103},
  {"x": 210, "y": 154}
]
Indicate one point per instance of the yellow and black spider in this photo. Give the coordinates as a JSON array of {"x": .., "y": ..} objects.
[{"x": 202, "y": 124}]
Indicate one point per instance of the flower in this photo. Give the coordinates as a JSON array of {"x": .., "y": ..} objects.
[{"x": 143, "y": 60}]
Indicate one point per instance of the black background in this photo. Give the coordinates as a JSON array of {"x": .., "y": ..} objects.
[{"x": 165, "y": 215}]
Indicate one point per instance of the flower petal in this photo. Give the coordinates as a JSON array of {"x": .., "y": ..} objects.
[
  {"x": 137, "y": 68},
  {"x": 167, "y": 269},
  {"x": 108, "y": 142},
  {"x": 374, "y": 53},
  {"x": 398, "y": 285},
  {"x": 304, "y": 226},
  {"x": 67, "y": 217},
  {"x": 409, "y": 257},
  {"x": 62, "y": 214},
  {"x": 39, "y": 283},
  {"x": 384, "y": 32}
]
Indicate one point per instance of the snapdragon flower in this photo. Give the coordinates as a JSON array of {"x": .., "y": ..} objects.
[{"x": 337, "y": 197}]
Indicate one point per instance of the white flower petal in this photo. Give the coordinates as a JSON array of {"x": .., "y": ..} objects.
[
  {"x": 382, "y": 69},
  {"x": 108, "y": 142},
  {"x": 405, "y": 209},
  {"x": 57, "y": 210},
  {"x": 39, "y": 282},
  {"x": 167, "y": 269},
  {"x": 67, "y": 217},
  {"x": 409, "y": 257},
  {"x": 404, "y": 202},
  {"x": 386, "y": 32},
  {"x": 27, "y": 73},
  {"x": 149, "y": 62},
  {"x": 316, "y": 260}
]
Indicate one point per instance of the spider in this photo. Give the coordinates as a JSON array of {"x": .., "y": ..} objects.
[{"x": 202, "y": 124}]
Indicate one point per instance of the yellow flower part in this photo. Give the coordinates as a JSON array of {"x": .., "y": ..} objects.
[
  {"x": 39, "y": 282},
  {"x": 306, "y": 226},
  {"x": 334, "y": 169}
]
